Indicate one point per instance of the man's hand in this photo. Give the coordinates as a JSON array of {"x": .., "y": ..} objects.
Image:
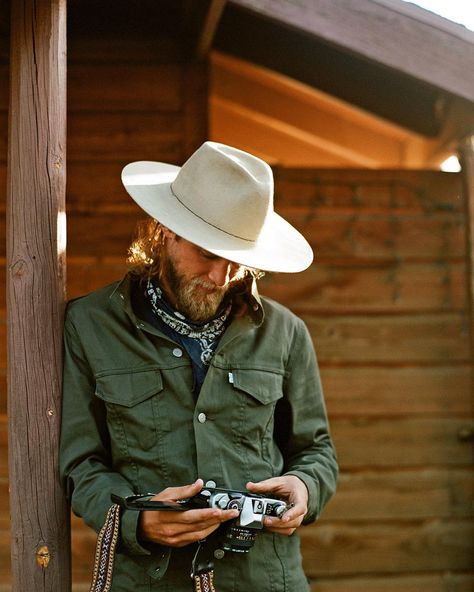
[
  {"x": 177, "y": 529},
  {"x": 291, "y": 489}
]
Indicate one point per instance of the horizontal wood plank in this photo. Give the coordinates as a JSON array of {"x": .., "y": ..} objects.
[
  {"x": 386, "y": 339},
  {"x": 431, "y": 545},
  {"x": 397, "y": 495},
  {"x": 380, "y": 235},
  {"x": 401, "y": 442},
  {"x": 438, "y": 582},
  {"x": 369, "y": 391},
  {"x": 100, "y": 87},
  {"x": 89, "y": 49},
  {"x": 359, "y": 189},
  {"x": 3, "y": 141},
  {"x": 124, "y": 136},
  {"x": 392, "y": 288}
]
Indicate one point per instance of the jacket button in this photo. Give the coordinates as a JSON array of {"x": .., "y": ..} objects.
[
  {"x": 202, "y": 418},
  {"x": 177, "y": 353},
  {"x": 219, "y": 553}
]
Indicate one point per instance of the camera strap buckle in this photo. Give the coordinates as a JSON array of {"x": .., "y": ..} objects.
[{"x": 202, "y": 569}]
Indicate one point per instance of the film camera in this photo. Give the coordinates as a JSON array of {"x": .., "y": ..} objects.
[{"x": 239, "y": 534}]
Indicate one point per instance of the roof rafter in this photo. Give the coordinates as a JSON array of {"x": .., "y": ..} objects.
[{"x": 428, "y": 49}]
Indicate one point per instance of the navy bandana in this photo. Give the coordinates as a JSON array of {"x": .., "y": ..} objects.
[{"x": 205, "y": 337}]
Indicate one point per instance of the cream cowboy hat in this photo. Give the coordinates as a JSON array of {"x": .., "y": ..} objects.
[{"x": 221, "y": 199}]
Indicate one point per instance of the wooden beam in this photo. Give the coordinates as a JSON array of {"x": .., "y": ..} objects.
[
  {"x": 423, "y": 48},
  {"x": 36, "y": 181},
  {"x": 466, "y": 158},
  {"x": 458, "y": 123},
  {"x": 209, "y": 27}
]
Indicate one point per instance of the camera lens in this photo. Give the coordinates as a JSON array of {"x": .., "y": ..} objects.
[{"x": 238, "y": 539}]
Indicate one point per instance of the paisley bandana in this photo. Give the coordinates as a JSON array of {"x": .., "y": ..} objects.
[{"x": 206, "y": 336}]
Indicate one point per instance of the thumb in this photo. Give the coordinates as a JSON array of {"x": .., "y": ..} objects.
[
  {"x": 261, "y": 486},
  {"x": 179, "y": 493}
]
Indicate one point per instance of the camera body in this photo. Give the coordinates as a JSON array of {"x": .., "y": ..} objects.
[{"x": 240, "y": 534}]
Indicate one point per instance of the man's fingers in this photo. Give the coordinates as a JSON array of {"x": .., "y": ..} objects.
[
  {"x": 205, "y": 517},
  {"x": 179, "y": 493}
]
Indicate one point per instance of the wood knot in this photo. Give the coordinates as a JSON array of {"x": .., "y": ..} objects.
[
  {"x": 19, "y": 268},
  {"x": 43, "y": 556}
]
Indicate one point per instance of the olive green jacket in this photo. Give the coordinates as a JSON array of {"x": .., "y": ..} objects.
[{"x": 131, "y": 424}]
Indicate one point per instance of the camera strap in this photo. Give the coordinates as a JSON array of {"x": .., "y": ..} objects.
[
  {"x": 202, "y": 569},
  {"x": 105, "y": 551}
]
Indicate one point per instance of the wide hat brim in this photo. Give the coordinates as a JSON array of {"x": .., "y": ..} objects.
[{"x": 279, "y": 246}]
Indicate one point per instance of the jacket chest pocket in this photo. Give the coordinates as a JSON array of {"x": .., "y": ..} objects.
[
  {"x": 257, "y": 392},
  {"x": 132, "y": 399}
]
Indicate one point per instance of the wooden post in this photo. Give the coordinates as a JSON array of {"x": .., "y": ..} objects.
[{"x": 40, "y": 537}]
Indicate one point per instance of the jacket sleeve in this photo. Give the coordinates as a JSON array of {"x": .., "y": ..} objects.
[
  {"x": 85, "y": 460},
  {"x": 308, "y": 450}
]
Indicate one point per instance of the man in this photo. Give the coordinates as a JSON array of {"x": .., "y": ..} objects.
[{"x": 182, "y": 375}]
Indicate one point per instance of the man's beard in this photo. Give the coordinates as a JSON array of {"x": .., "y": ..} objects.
[{"x": 198, "y": 305}]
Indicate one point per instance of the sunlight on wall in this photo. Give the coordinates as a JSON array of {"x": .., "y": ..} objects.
[{"x": 451, "y": 165}]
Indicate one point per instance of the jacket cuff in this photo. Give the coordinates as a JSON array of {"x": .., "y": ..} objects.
[
  {"x": 313, "y": 495},
  {"x": 153, "y": 558},
  {"x": 129, "y": 533}
]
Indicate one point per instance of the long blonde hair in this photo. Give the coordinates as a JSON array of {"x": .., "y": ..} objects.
[
  {"x": 145, "y": 259},
  {"x": 144, "y": 254}
]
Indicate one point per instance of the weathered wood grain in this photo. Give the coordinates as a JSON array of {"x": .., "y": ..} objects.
[
  {"x": 391, "y": 339},
  {"x": 359, "y": 189},
  {"x": 369, "y": 391},
  {"x": 3, "y": 137},
  {"x": 4, "y": 74},
  {"x": 427, "y": 546},
  {"x": 391, "y": 288},
  {"x": 100, "y": 86},
  {"x": 36, "y": 292},
  {"x": 395, "y": 495},
  {"x": 437, "y": 582},
  {"x": 125, "y": 136},
  {"x": 401, "y": 442},
  {"x": 380, "y": 235},
  {"x": 93, "y": 49}
]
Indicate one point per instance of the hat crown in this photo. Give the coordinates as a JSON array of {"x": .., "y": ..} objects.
[{"x": 227, "y": 188}]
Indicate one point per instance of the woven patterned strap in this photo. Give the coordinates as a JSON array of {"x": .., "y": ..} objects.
[
  {"x": 204, "y": 582},
  {"x": 105, "y": 551}
]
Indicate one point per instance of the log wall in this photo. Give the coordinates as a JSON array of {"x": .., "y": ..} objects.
[
  {"x": 385, "y": 301},
  {"x": 387, "y": 305}
]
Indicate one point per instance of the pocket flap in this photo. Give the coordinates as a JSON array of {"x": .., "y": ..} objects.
[
  {"x": 128, "y": 388},
  {"x": 262, "y": 385}
]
